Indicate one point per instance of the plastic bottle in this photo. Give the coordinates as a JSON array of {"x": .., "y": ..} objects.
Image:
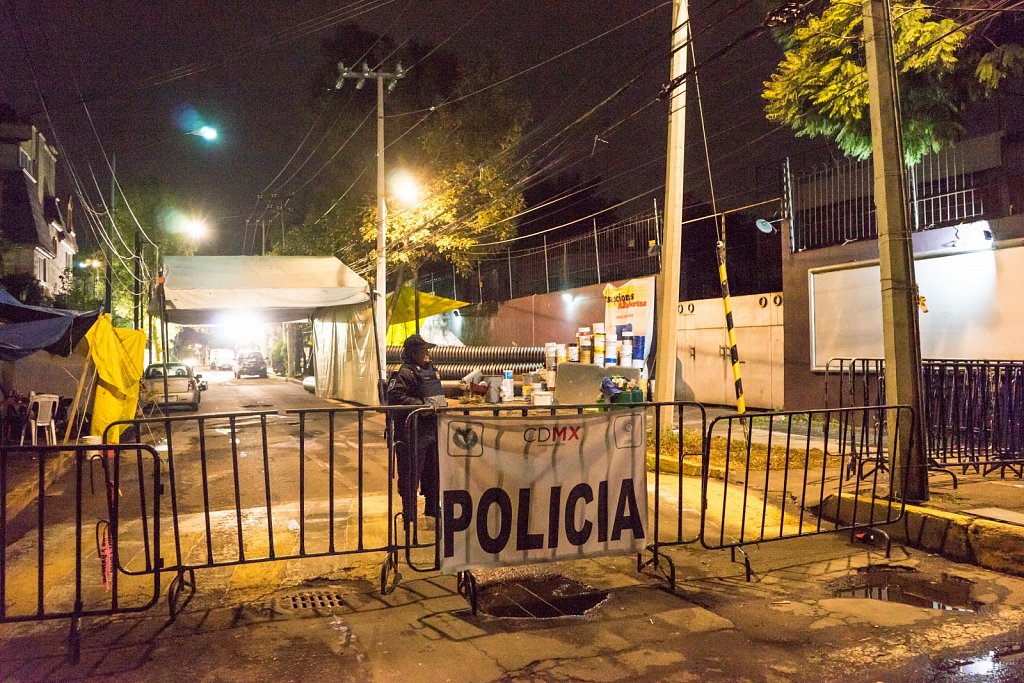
[
  {"x": 574, "y": 353},
  {"x": 599, "y": 344},
  {"x": 586, "y": 350}
]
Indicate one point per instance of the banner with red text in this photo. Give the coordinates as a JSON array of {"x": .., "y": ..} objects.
[
  {"x": 630, "y": 306},
  {"x": 543, "y": 488}
]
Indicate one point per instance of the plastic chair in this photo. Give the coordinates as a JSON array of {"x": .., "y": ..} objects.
[{"x": 42, "y": 413}]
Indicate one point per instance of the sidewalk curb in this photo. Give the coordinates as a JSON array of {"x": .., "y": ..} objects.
[{"x": 963, "y": 538}]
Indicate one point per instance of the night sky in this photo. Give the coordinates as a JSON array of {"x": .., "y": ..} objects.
[{"x": 247, "y": 68}]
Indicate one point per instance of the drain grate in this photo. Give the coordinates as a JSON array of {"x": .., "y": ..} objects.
[
  {"x": 538, "y": 598},
  {"x": 310, "y": 600}
]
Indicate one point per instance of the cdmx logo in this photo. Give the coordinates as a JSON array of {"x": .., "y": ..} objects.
[{"x": 465, "y": 439}]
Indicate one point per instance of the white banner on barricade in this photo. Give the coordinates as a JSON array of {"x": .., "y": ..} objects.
[{"x": 541, "y": 488}]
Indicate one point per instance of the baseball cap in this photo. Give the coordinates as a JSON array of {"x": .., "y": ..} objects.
[{"x": 415, "y": 341}]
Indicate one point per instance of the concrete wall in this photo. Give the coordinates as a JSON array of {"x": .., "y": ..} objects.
[
  {"x": 529, "y": 321},
  {"x": 804, "y": 386},
  {"x": 703, "y": 350}
]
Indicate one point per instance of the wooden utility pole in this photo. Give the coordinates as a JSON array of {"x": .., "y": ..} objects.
[
  {"x": 900, "y": 329},
  {"x": 668, "y": 279}
]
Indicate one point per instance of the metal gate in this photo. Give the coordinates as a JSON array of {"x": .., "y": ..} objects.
[
  {"x": 263, "y": 486},
  {"x": 50, "y": 568}
]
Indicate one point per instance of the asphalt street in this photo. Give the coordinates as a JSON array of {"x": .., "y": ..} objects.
[{"x": 815, "y": 608}]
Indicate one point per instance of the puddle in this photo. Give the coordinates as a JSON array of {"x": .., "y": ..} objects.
[
  {"x": 543, "y": 597},
  {"x": 906, "y": 586},
  {"x": 1004, "y": 664}
]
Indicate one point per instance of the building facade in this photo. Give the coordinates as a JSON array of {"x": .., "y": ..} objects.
[{"x": 35, "y": 238}]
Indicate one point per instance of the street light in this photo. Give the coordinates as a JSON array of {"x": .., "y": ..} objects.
[{"x": 405, "y": 188}]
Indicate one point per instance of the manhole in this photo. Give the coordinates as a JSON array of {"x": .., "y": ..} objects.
[
  {"x": 538, "y": 598},
  {"x": 309, "y": 600},
  {"x": 258, "y": 404},
  {"x": 904, "y": 585}
]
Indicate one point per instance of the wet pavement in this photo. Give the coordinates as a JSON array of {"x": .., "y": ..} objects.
[{"x": 325, "y": 619}]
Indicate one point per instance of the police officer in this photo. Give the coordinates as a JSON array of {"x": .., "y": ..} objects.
[{"x": 416, "y": 383}]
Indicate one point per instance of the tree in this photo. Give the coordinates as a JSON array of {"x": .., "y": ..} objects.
[
  {"x": 820, "y": 86},
  {"x": 463, "y": 150}
]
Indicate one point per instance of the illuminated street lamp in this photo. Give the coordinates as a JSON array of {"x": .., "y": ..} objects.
[{"x": 405, "y": 188}]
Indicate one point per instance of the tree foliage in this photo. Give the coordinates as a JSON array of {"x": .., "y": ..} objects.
[
  {"x": 820, "y": 85},
  {"x": 446, "y": 125}
]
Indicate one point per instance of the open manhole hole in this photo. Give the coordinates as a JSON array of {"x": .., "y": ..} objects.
[
  {"x": 543, "y": 597},
  {"x": 906, "y": 586},
  {"x": 309, "y": 600}
]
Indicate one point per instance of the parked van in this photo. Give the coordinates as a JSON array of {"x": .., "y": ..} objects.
[{"x": 222, "y": 359}]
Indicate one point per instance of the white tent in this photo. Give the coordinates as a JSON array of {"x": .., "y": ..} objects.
[{"x": 210, "y": 290}]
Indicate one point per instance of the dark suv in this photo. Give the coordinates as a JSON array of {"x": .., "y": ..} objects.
[{"x": 250, "y": 363}]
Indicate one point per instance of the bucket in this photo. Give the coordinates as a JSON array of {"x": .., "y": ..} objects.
[
  {"x": 91, "y": 441},
  {"x": 542, "y": 398}
]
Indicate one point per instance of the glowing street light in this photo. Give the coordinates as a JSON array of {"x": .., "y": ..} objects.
[
  {"x": 196, "y": 229},
  {"x": 208, "y": 133},
  {"x": 405, "y": 188}
]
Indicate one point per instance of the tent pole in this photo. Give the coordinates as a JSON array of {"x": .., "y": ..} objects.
[
  {"x": 163, "y": 329},
  {"x": 78, "y": 395}
]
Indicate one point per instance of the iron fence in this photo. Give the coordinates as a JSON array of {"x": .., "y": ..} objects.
[
  {"x": 222, "y": 490},
  {"x": 618, "y": 251},
  {"x": 835, "y": 205},
  {"x": 49, "y": 568},
  {"x": 782, "y": 475},
  {"x": 973, "y": 409}
]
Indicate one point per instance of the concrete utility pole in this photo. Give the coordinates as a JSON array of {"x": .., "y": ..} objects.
[
  {"x": 895, "y": 256},
  {"x": 380, "y": 314},
  {"x": 668, "y": 279}
]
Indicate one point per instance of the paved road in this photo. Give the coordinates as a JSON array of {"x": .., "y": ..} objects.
[{"x": 788, "y": 624}]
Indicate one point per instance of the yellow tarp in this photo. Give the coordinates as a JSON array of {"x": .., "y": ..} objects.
[
  {"x": 402, "y": 322},
  {"x": 118, "y": 356}
]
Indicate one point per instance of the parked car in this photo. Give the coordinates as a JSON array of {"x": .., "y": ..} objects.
[
  {"x": 222, "y": 359},
  {"x": 250, "y": 363},
  {"x": 183, "y": 386}
]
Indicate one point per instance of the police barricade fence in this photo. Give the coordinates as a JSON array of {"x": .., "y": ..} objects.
[
  {"x": 526, "y": 484},
  {"x": 60, "y": 558},
  {"x": 774, "y": 476},
  {"x": 264, "y": 486},
  {"x": 973, "y": 409}
]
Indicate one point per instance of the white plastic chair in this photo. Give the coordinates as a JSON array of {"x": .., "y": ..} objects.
[{"x": 42, "y": 412}]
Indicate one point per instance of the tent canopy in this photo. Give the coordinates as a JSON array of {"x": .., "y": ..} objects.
[
  {"x": 404, "y": 310},
  {"x": 34, "y": 328},
  {"x": 207, "y": 290}
]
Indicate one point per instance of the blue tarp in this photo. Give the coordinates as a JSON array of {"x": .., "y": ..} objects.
[{"x": 27, "y": 329}]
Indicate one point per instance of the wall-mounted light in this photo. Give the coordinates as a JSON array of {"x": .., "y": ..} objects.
[
  {"x": 766, "y": 226},
  {"x": 972, "y": 236}
]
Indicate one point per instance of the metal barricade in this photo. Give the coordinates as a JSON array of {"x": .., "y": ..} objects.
[
  {"x": 49, "y": 567},
  {"x": 774, "y": 476},
  {"x": 266, "y": 486},
  {"x": 973, "y": 409}
]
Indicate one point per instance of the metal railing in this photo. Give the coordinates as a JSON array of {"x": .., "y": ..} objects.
[
  {"x": 49, "y": 568},
  {"x": 835, "y": 205},
  {"x": 613, "y": 252},
  {"x": 215, "y": 491},
  {"x": 973, "y": 409}
]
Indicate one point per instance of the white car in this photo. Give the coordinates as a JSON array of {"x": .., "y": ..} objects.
[
  {"x": 222, "y": 359},
  {"x": 183, "y": 387}
]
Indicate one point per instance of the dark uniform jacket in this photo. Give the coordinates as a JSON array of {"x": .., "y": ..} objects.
[{"x": 410, "y": 386}]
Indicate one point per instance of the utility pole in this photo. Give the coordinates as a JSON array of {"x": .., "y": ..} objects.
[
  {"x": 667, "y": 289},
  {"x": 900, "y": 329},
  {"x": 380, "y": 315},
  {"x": 137, "y": 284}
]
